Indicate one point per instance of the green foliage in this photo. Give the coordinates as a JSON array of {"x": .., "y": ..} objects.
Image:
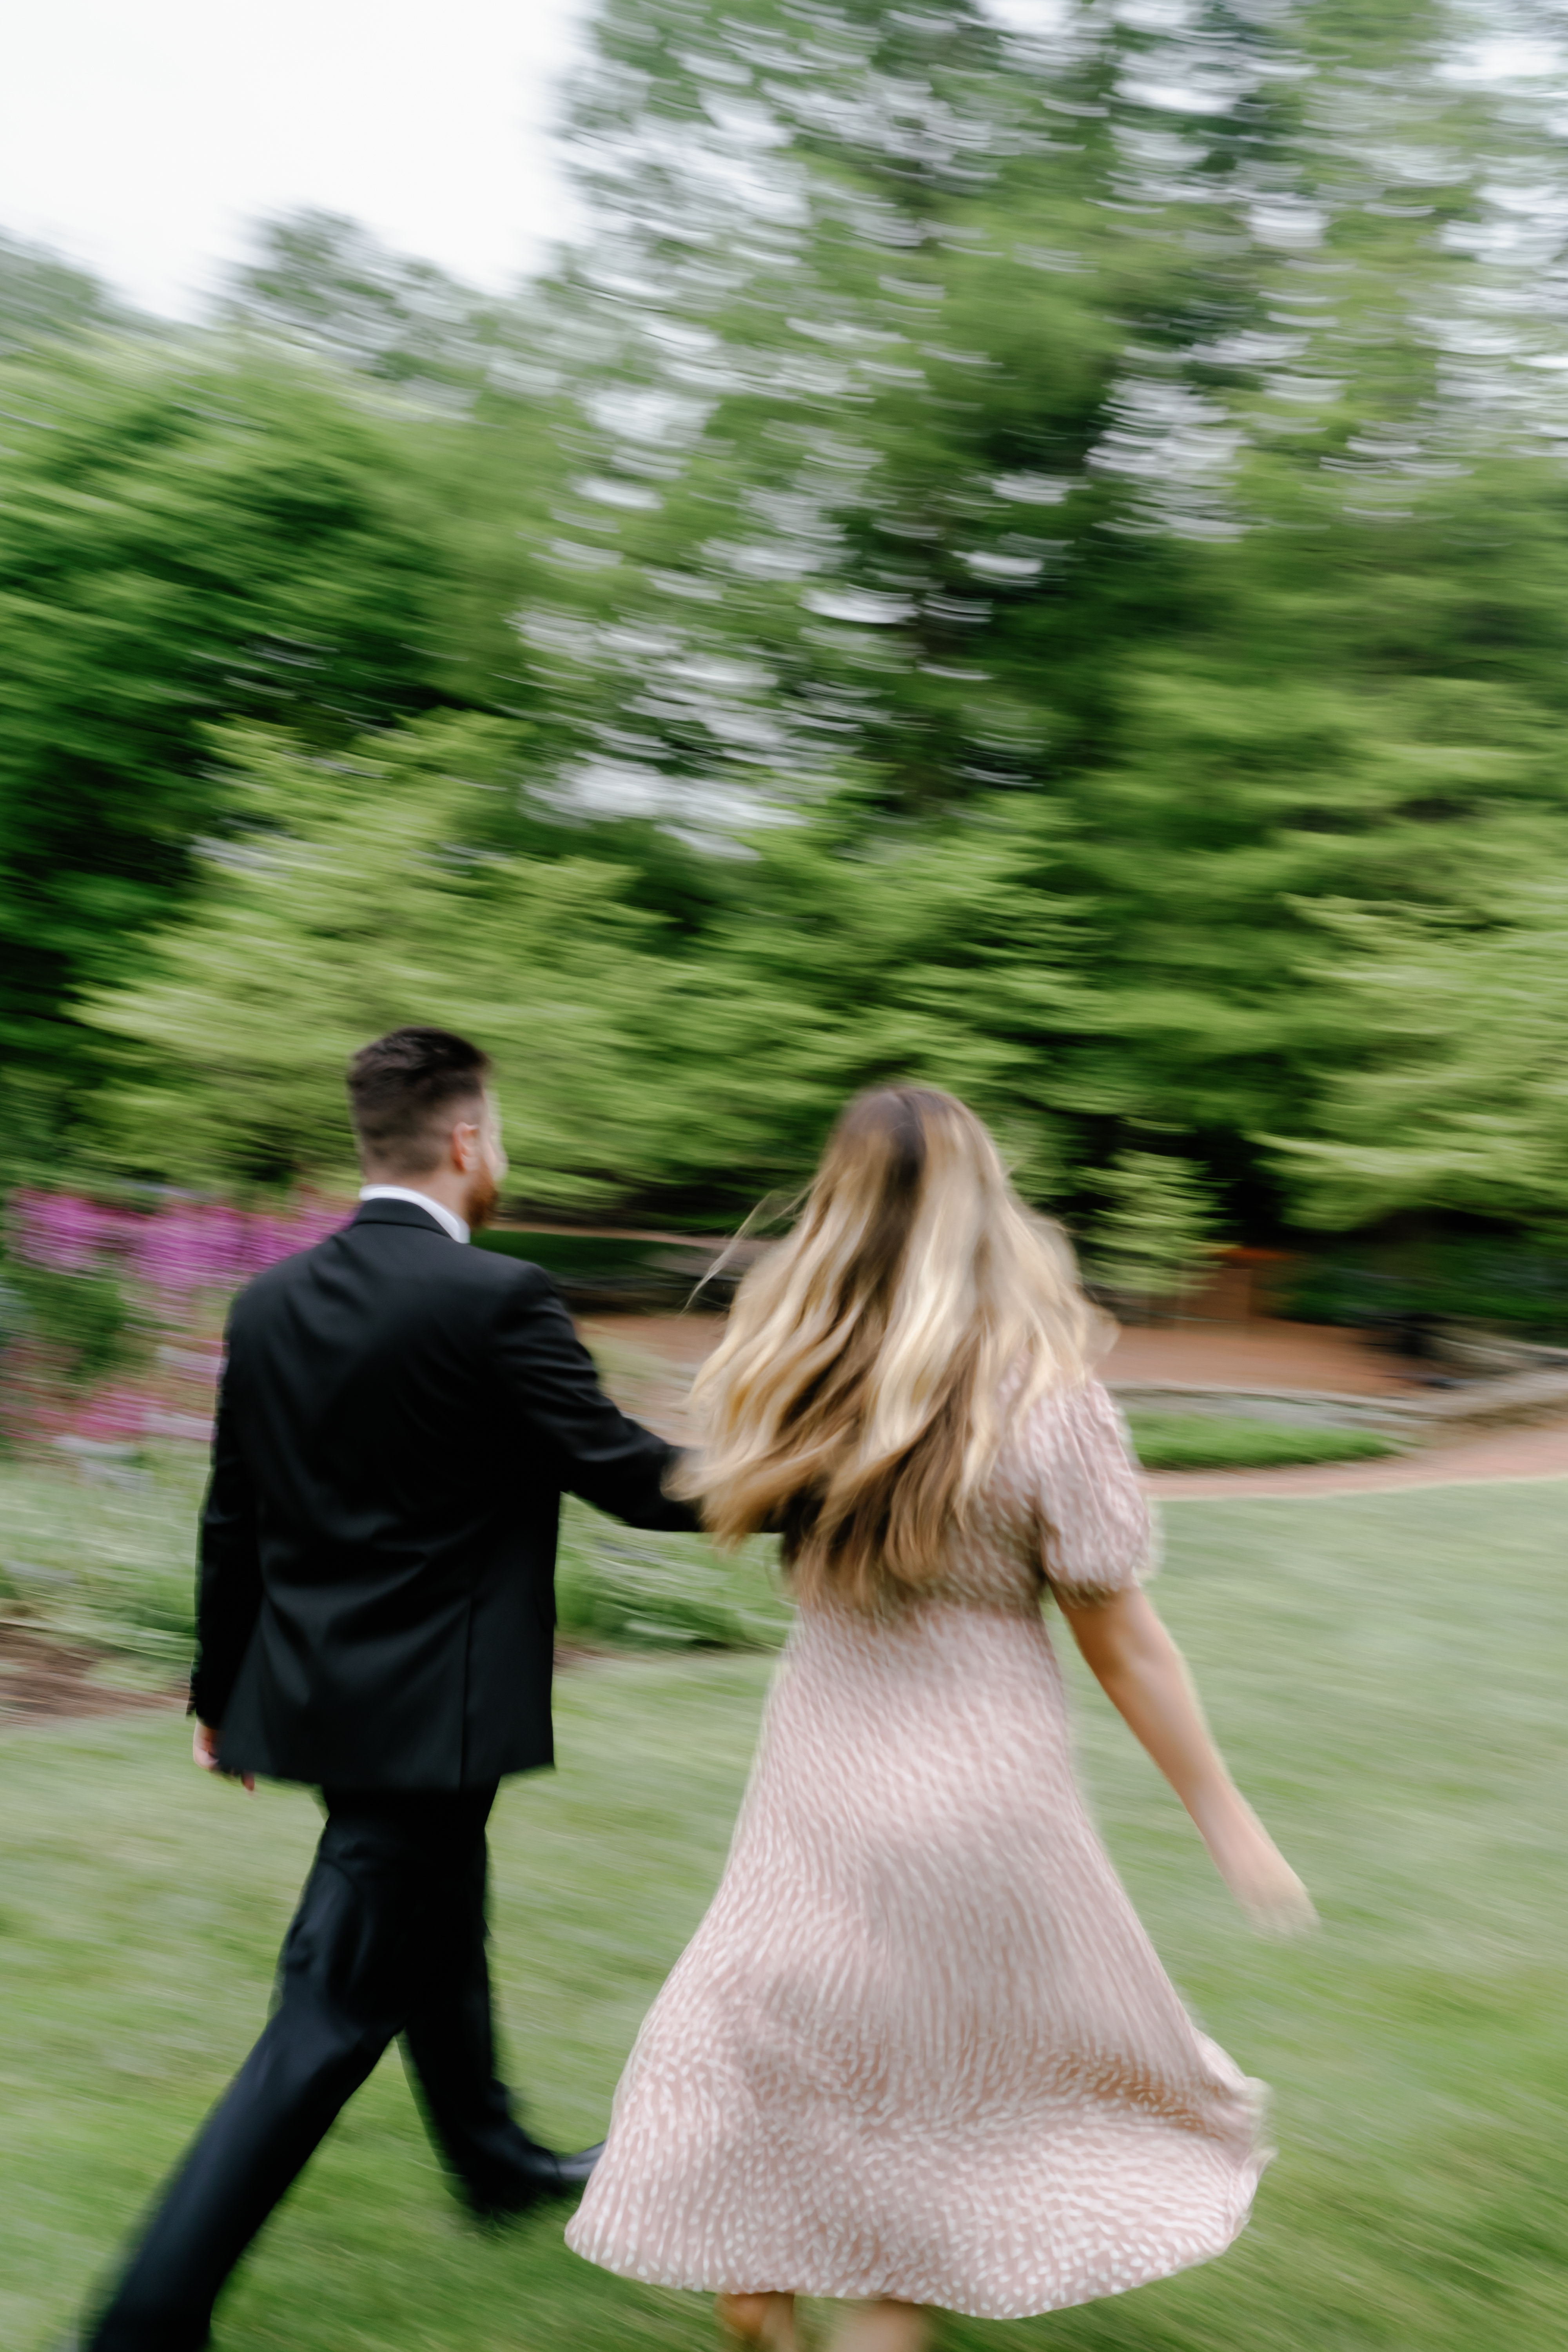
[
  {"x": 856, "y": 961},
  {"x": 659, "y": 1592},
  {"x": 1006, "y": 561},
  {"x": 82, "y": 1321},
  {"x": 1460, "y": 1098},
  {"x": 468, "y": 390},
  {"x": 999, "y": 429},
  {"x": 635, "y": 1059},
  {"x": 44, "y": 300},
  {"x": 1157, "y": 1229},
  {"x": 102, "y": 1552},
  {"x": 1193, "y": 1441},
  {"x": 323, "y": 281},
  {"x": 182, "y": 536},
  {"x": 365, "y": 892},
  {"x": 1520, "y": 1283},
  {"x": 386, "y": 885}
]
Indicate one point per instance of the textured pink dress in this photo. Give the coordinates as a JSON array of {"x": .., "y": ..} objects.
[{"x": 920, "y": 2046}]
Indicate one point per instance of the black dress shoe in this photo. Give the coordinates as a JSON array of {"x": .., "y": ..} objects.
[
  {"x": 540, "y": 2173},
  {"x": 572, "y": 2172}
]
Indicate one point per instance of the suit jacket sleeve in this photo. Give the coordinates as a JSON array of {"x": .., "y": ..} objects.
[
  {"x": 612, "y": 1462},
  {"x": 228, "y": 1580}
]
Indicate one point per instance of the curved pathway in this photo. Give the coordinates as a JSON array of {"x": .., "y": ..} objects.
[
  {"x": 652, "y": 1358},
  {"x": 1501, "y": 1454}
]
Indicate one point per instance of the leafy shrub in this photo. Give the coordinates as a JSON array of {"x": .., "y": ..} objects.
[
  {"x": 1495, "y": 1280},
  {"x": 81, "y": 1321},
  {"x": 1156, "y": 1232}
]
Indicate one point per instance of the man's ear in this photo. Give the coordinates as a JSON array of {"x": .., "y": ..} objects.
[{"x": 463, "y": 1146}]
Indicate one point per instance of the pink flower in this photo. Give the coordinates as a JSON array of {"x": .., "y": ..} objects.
[
  {"x": 111, "y": 1417},
  {"x": 63, "y": 1231},
  {"x": 182, "y": 1247}
]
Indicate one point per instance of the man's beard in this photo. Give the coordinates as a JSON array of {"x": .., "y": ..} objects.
[{"x": 479, "y": 1207}]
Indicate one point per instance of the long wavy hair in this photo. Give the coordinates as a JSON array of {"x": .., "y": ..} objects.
[{"x": 876, "y": 1357}]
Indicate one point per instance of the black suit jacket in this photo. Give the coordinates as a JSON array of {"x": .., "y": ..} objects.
[{"x": 398, "y": 1417}]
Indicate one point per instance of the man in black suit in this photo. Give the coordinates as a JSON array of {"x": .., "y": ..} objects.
[{"x": 399, "y": 1417}]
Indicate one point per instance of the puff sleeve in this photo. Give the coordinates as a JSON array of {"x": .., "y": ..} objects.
[{"x": 1098, "y": 1537}]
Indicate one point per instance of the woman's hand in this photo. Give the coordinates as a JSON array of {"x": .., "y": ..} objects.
[
  {"x": 1258, "y": 1876},
  {"x": 1141, "y": 1670}
]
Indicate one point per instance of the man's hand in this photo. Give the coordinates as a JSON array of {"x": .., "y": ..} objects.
[{"x": 204, "y": 1747}]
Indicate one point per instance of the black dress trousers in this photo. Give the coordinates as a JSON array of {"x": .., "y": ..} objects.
[{"x": 389, "y": 1938}]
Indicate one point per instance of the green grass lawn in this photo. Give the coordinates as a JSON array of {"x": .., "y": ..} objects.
[
  {"x": 1201, "y": 1441},
  {"x": 1387, "y": 1675}
]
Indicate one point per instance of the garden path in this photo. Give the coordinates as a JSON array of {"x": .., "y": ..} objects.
[{"x": 654, "y": 1356}]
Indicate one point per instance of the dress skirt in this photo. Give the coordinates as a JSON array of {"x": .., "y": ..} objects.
[{"x": 920, "y": 2046}]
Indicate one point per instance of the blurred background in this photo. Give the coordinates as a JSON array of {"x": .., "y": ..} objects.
[
  {"x": 737, "y": 549},
  {"x": 1027, "y": 548}
]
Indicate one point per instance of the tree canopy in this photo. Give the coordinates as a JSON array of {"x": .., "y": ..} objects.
[{"x": 1038, "y": 560}]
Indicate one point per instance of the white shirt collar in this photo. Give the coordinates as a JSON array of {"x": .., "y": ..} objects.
[{"x": 438, "y": 1209}]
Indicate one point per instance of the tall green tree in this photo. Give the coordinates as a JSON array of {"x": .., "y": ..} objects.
[
  {"x": 640, "y": 1060},
  {"x": 1033, "y": 560},
  {"x": 925, "y": 365},
  {"x": 475, "y": 390},
  {"x": 188, "y": 533},
  {"x": 46, "y": 299},
  {"x": 373, "y": 886},
  {"x": 319, "y": 280},
  {"x": 1102, "y": 417}
]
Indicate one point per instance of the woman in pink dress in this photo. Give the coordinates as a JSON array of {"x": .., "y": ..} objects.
[{"x": 921, "y": 2052}]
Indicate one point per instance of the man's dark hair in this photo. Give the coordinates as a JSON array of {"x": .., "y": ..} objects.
[{"x": 403, "y": 1090}]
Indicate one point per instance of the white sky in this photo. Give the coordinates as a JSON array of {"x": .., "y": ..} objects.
[{"x": 141, "y": 137}]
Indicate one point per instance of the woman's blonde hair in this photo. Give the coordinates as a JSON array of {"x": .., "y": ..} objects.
[{"x": 875, "y": 1358}]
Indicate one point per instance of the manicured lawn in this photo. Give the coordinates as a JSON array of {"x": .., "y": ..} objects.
[
  {"x": 1197, "y": 1440},
  {"x": 1387, "y": 1674}
]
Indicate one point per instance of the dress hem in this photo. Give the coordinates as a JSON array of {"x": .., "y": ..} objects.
[{"x": 870, "y": 2286}]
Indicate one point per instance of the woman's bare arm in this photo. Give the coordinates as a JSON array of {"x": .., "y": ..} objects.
[{"x": 1144, "y": 1676}]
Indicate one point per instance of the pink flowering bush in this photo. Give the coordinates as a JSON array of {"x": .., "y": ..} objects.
[
  {"x": 178, "y": 1250},
  {"x": 177, "y": 1262}
]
